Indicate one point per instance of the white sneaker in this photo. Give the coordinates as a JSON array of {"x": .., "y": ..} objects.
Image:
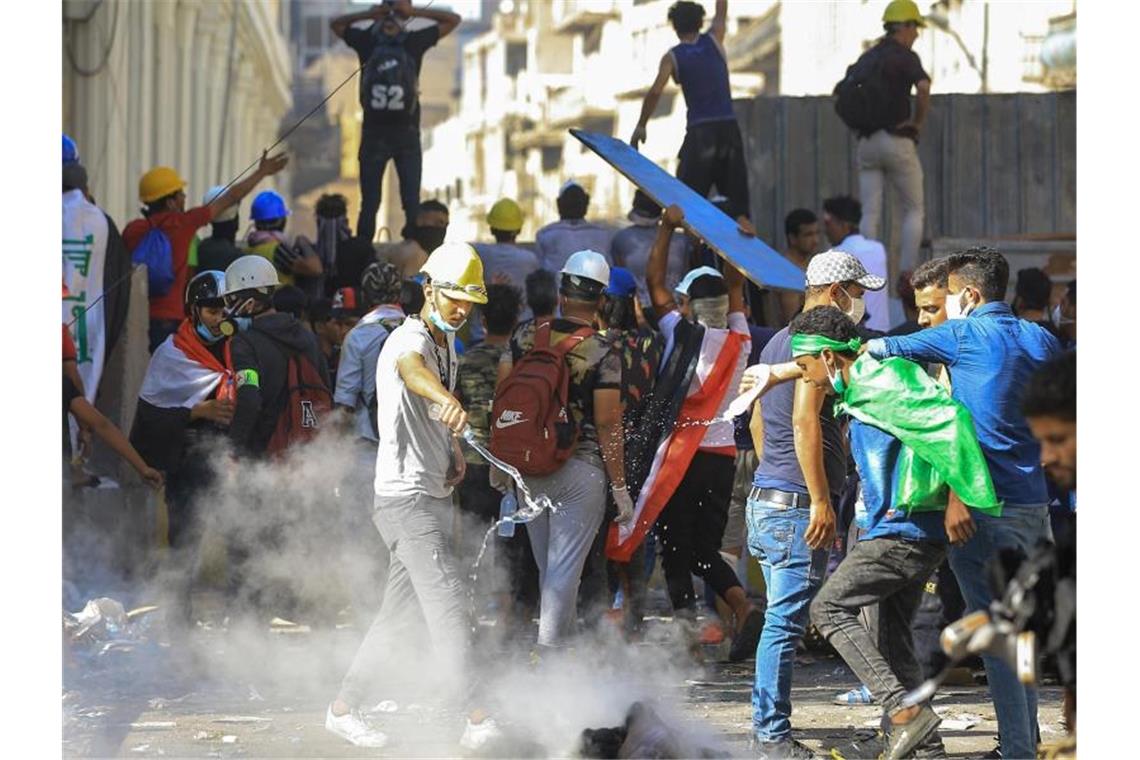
[
  {"x": 477, "y": 735},
  {"x": 354, "y": 730}
]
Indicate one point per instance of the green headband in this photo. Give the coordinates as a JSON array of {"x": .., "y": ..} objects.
[{"x": 804, "y": 344}]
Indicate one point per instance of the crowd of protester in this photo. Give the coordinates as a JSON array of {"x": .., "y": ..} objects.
[{"x": 878, "y": 456}]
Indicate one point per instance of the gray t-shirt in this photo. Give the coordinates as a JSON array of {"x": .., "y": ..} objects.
[
  {"x": 556, "y": 242},
  {"x": 630, "y": 249},
  {"x": 511, "y": 260},
  {"x": 415, "y": 452},
  {"x": 779, "y": 468}
]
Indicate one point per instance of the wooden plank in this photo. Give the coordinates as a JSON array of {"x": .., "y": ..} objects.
[
  {"x": 967, "y": 159},
  {"x": 1002, "y": 211},
  {"x": 752, "y": 256},
  {"x": 1066, "y": 162},
  {"x": 1037, "y": 159}
]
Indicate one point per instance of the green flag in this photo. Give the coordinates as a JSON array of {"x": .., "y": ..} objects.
[{"x": 940, "y": 445}]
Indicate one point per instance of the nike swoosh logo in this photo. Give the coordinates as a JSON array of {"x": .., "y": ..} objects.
[{"x": 500, "y": 424}]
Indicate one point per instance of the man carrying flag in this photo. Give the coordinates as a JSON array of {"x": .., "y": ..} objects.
[
  {"x": 689, "y": 480},
  {"x": 186, "y": 398},
  {"x": 913, "y": 446}
]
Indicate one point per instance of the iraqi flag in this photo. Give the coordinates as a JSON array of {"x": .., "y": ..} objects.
[
  {"x": 706, "y": 394},
  {"x": 183, "y": 372}
]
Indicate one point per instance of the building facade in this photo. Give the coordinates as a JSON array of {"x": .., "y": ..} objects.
[
  {"x": 199, "y": 85},
  {"x": 546, "y": 66}
]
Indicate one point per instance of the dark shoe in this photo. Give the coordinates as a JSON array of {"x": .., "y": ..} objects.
[
  {"x": 931, "y": 748},
  {"x": 905, "y": 738},
  {"x": 784, "y": 749},
  {"x": 744, "y": 643}
]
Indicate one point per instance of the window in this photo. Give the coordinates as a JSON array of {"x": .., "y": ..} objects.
[
  {"x": 592, "y": 40},
  {"x": 516, "y": 58},
  {"x": 551, "y": 157}
]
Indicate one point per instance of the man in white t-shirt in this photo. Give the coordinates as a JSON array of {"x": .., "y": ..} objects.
[
  {"x": 418, "y": 463},
  {"x": 841, "y": 216},
  {"x": 690, "y": 483}
]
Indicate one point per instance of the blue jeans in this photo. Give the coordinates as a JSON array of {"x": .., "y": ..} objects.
[
  {"x": 398, "y": 144},
  {"x": 1020, "y": 527},
  {"x": 792, "y": 574}
]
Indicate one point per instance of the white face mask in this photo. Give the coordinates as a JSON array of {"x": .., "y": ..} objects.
[
  {"x": 956, "y": 305},
  {"x": 857, "y": 310}
]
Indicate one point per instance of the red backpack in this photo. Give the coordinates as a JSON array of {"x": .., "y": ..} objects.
[
  {"x": 531, "y": 426},
  {"x": 307, "y": 402}
]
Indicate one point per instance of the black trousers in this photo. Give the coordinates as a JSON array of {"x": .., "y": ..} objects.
[
  {"x": 377, "y": 148},
  {"x": 691, "y": 526},
  {"x": 713, "y": 154}
]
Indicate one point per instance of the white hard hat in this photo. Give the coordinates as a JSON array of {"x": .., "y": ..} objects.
[
  {"x": 693, "y": 274},
  {"x": 226, "y": 216},
  {"x": 249, "y": 272},
  {"x": 588, "y": 264}
]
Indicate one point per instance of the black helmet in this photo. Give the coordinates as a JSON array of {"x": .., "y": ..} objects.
[{"x": 205, "y": 289}]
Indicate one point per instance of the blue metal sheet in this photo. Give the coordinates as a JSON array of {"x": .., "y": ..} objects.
[{"x": 750, "y": 255}]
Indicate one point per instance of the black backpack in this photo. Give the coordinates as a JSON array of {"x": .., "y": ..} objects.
[
  {"x": 862, "y": 100},
  {"x": 389, "y": 80}
]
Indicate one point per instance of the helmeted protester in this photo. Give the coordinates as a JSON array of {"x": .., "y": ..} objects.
[
  {"x": 220, "y": 249},
  {"x": 687, "y": 488},
  {"x": 391, "y": 56},
  {"x": 873, "y": 99},
  {"x": 640, "y": 349},
  {"x": 162, "y": 238},
  {"x": 185, "y": 405},
  {"x": 630, "y": 247},
  {"x": 589, "y": 448},
  {"x": 713, "y": 151},
  {"x": 558, "y": 241},
  {"x": 913, "y": 445},
  {"x": 296, "y": 264},
  {"x": 990, "y": 354},
  {"x": 418, "y": 463},
  {"x": 504, "y": 262},
  {"x": 96, "y": 265}
]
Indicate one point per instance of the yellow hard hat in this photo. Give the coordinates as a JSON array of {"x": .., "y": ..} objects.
[
  {"x": 505, "y": 215},
  {"x": 159, "y": 182},
  {"x": 901, "y": 11},
  {"x": 457, "y": 271}
]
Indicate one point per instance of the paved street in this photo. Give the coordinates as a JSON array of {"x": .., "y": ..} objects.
[{"x": 265, "y": 696}]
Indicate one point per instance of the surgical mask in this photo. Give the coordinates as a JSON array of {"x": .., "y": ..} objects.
[
  {"x": 838, "y": 384},
  {"x": 711, "y": 311},
  {"x": 437, "y": 319},
  {"x": 956, "y": 308},
  {"x": 429, "y": 238},
  {"x": 207, "y": 336},
  {"x": 857, "y": 310}
]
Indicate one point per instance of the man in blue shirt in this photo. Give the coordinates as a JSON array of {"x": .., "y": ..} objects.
[
  {"x": 910, "y": 442},
  {"x": 990, "y": 355},
  {"x": 713, "y": 151}
]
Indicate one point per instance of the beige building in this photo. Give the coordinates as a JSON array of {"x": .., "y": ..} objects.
[
  {"x": 200, "y": 85},
  {"x": 544, "y": 67}
]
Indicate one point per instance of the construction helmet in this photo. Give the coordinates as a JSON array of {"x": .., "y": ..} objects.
[
  {"x": 589, "y": 265},
  {"x": 505, "y": 215},
  {"x": 268, "y": 205},
  {"x": 70, "y": 150},
  {"x": 456, "y": 270},
  {"x": 211, "y": 195},
  {"x": 159, "y": 182},
  {"x": 250, "y": 272},
  {"x": 901, "y": 11},
  {"x": 205, "y": 289}
]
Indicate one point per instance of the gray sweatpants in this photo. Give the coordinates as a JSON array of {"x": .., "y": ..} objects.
[
  {"x": 562, "y": 541},
  {"x": 423, "y": 588}
]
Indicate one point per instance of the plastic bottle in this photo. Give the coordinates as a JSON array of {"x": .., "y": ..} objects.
[{"x": 507, "y": 507}]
